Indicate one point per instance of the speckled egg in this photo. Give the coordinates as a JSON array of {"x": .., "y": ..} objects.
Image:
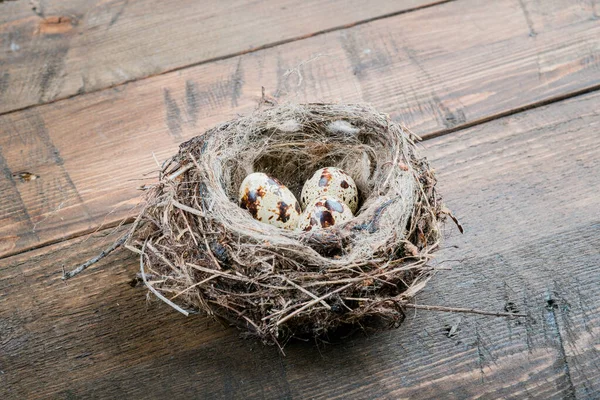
[
  {"x": 330, "y": 181},
  {"x": 269, "y": 201},
  {"x": 324, "y": 212}
]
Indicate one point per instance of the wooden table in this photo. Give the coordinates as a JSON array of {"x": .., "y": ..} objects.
[{"x": 505, "y": 94}]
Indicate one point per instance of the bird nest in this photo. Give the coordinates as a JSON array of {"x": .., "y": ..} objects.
[{"x": 201, "y": 252}]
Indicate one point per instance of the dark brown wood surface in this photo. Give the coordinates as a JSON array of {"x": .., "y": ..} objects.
[
  {"x": 51, "y": 49},
  {"x": 472, "y": 77},
  {"x": 437, "y": 69},
  {"x": 525, "y": 188}
]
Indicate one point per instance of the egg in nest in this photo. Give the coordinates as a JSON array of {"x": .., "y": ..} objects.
[
  {"x": 331, "y": 181},
  {"x": 269, "y": 201},
  {"x": 324, "y": 212}
]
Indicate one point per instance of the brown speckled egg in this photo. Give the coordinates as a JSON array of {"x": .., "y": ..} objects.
[
  {"x": 330, "y": 181},
  {"x": 324, "y": 212},
  {"x": 269, "y": 201}
]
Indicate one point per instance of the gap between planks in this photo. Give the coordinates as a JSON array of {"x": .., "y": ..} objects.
[{"x": 517, "y": 110}]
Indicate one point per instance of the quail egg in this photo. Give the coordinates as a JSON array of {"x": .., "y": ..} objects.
[
  {"x": 331, "y": 181},
  {"x": 269, "y": 201},
  {"x": 324, "y": 212}
]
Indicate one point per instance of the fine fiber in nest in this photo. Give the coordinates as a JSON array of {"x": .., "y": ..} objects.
[{"x": 201, "y": 252}]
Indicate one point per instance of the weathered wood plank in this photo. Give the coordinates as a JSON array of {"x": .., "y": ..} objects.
[
  {"x": 54, "y": 49},
  {"x": 525, "y": 188},
  {"x": 436, "y": 69}
]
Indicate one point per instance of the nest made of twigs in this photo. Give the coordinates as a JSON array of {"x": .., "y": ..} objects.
[{"x": 200, "y": 251}]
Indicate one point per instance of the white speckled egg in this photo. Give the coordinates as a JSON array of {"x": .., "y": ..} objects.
[
  {"x": 323, "y": 212},
  {"x": 331, "y": 181},
  {"x": 269, "y": 201}
]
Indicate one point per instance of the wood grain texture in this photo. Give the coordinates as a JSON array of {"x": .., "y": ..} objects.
[
  {"x": 53, "y": 49},
  {"x": 435, "y": 69},
  {"x": 525, "y": 188}
]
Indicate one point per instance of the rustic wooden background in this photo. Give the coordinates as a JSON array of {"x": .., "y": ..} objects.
[{"x": 505, "y": 94}]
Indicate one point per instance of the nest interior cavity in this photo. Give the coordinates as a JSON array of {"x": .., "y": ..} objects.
[{"x": 200, "y": 251}]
